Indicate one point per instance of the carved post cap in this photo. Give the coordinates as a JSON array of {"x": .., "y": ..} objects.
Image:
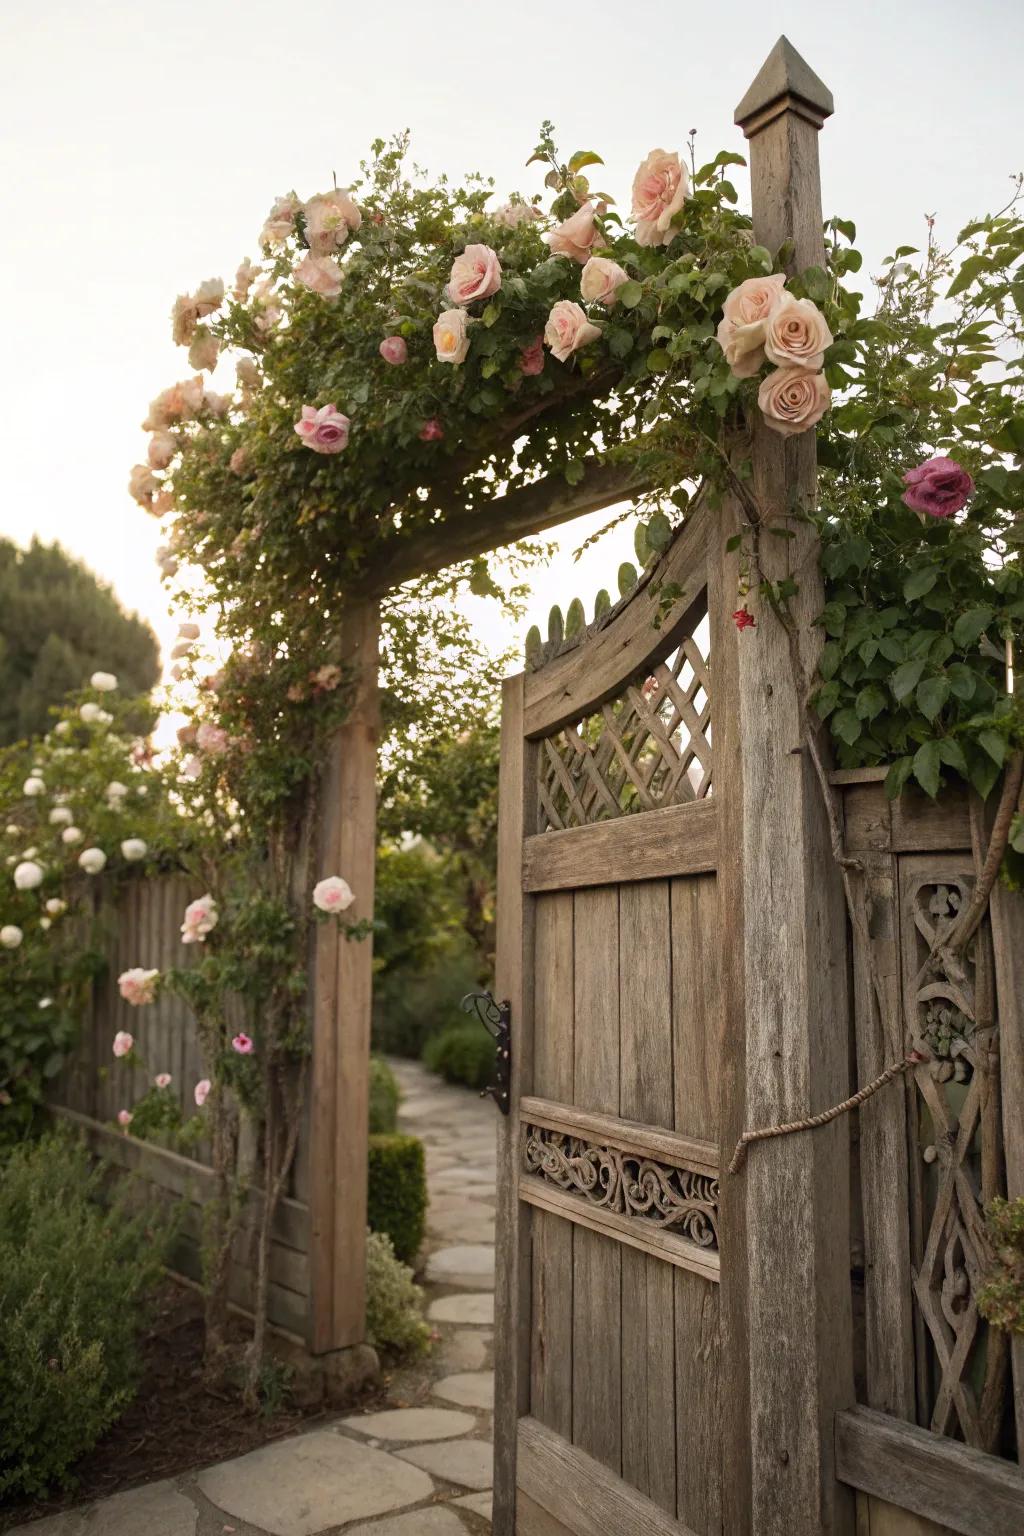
[{"x": 784, "y": 83}]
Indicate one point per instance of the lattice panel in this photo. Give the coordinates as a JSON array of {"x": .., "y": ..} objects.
[
  {"x": 956, "y": 1169},
  {"x": 649, "y": 747}
]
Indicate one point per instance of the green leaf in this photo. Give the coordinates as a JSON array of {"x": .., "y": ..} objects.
[
  {"x": 926, "y": 767},
  {"x": 584, "y": 157},
  {"x": 970, "y": 626},
  {"x": 920, "y": 581},
  {"x": 659, "y": 532},
  {"x": 574, "y": 471},
  {"x": 627, "y": 578},
  {"x": 575, "y": 619},
  {"x": 534, "y": 644},
  {"x": 972, "y": 268},
  {"x": 620, "y": 341},
  {"x": 629, "y": 294},
  {"x": 658, "y": 359},
  {"x": 897, "y": 776},
  {"x": 962, "y": 680},
  {"x": 846, "y": 725},
  {"x": 870, "y": 702},
  {"x": 906, "y": 678},
  {"x": 952, "y": 755},
  {"x": 817, "y": 284},
  {"x": 931, "y": 695},
  {"x": 994, "y": 744},
  {"x": 828, "y": 661},
  {"x": 826, "y": 699}
]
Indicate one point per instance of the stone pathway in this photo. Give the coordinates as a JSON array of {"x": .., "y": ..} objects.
[{"x": 420, "y": 1469}]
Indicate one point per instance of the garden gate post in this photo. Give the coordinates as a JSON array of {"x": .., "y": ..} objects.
[
  {"x": 786, "y": 1249},
  {"x": 343, "y": 985}
]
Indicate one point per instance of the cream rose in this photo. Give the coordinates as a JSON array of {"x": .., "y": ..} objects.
[
  {"x": 330, "y": 218},
  {"x": 450, "y": 336},
  {"x": 320, "y": 274},
  {"x": 568, "y": 329},
  {"x": 792, "y": 400},
  {"x": 476, "y": 274},
  {"x": 143, "y": 485},
  {"x": 280, "y": 221},
  {"x": 796, "y": 334},
  {"x": 162, "y": 448},
  {"x": 744, "y": 322},
  {"x": 205, "y": 349},
  {"x": 575, "y": 236},
  {"x": 659, "y": 191},
  {"x": 600, "y": 281}
]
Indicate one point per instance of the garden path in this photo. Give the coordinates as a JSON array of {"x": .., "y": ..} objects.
[{"x": 419, "y": 1468}]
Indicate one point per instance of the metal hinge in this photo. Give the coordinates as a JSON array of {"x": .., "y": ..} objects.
[{"x": 497, "y": 1020}]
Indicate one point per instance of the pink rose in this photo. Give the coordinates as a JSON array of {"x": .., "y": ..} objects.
[
  {"x": 280, "y": 221},
  {"x": 792, "y": 400},
  {"x": 659, "y": 191},
  {"x": 244, "y": 279},
  {"x": 451, "y": 341},
  {"x": 123, "y": 1043},
  {"x": 201, "y": 917},
  {"x": 476, "y": 274},
  {"x": 217, "y": 405},
  {"x": 191, "y": 768},
  {"x": 324, "y": 430},
  {"x": 796, "y": 334},
  {"x": 575, "y": 236},
  {"x": 162, "y": 1080},
  {"x": 531, "y": 358},
  {"x": 568, "y": 329},
  {"x": 601, "y": 280},
  {"x": 183, "y": 319},
  {"x": 201, "y": 1092},
  {"x": 124, "y": 1118},
  {"x": 320, "y": 274},
  {"x": 211, "y": 738},
  {"x": 162, "y": 448},
  {"x": 204, "y": 351},
  {"x": 143, "y": 485},
  {"x": 393, "y": 350},
  {"x": 511, "y": 215},
  {"x": 330, "y": 218},
  {"x": 242, "y": 1044},
  {"x": 431, "y": 431},
  {"x": 174, "y": 405},
  {"x": 209, "y": 296},
  {"x": 137, "y": 987},
  {"x": 745, "y": 320},
  {"x": 938, "y": 487},
  {"x": 332, "y": 894}
]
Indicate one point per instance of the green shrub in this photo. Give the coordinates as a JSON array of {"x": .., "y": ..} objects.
[
  {"x": 385, "y": 1097},
  {"x": 462, "y": 1053},
  {"x": 397, "y": 1192},
  {"x": 394, "y": 1303},
  {"x": 74, "y": 1282}
]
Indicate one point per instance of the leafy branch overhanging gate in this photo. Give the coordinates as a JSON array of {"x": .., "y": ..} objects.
[{"x": 675, "y": 1347}]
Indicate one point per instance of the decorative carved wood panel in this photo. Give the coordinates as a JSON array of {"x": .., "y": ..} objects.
[{"x": 648, "y": 747}]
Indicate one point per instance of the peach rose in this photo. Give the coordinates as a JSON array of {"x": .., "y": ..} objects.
[
  {"x": 320, "y": 274},
  {"x": 330, "y": 219},
  {"x": 476, "y": 274},
  {"x": 600, "y": 281},
  {"x": 568, "y": 329},
  {"x": 183, "y": 319},
  {"x": 161, "y": 450},
  {"x": 209, "y": 296},
  {"x": 575, "y": 236},
  {"x": 512, "y": 214},
  {"x": 247, "y": 372},
  {"x": 179, "y": 403},
  {"x": 792, "y": 400},
  {"x": 280, "y": 221},
  {"x": 450, "y": 338},
  {"x": 143, "y": 485},
  {"x": 796, "y": 334},
  {"x": 741, "y": 331},
  {"x": 659, "y": 191},
  {"x": 204, "y": 350},
  {"x": 244, "y": 279}
]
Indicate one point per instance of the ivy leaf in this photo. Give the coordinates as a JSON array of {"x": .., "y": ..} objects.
[
  {"x": 870, "y": 702},
  {"x": 994, "y": 744},
  {"x": 920, "y": 581},
  {"x": 970, "y": 626},
  {"x": 962, "y": 680},
  {"x": 952, "y": 755},
  {"x": 826, "y": 699},
  {"x": 926, "y": 768},
  {"x": 931, "y": 695},
  {"x": 906, "y": 678},
  {"x": 983, "y": 774},
  {"x": 847, "y": 726},
  {"x": 897, "y": 776},
  {"x": 828, "y": 662}
]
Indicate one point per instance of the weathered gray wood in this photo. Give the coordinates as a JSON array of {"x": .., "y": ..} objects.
[
  {"x": 884, "y": 1174},
  {"x": 650, "y": 845},
  {"x": 877, "y": 1517},
  {"x": 646, "y": 1094},
  {"x": 580, "y": 1491},
  {"x": 577, "y": 683},
  {"x": 514, "y": 964},
  {"x": 597, "y": 1260},
  {"x": 628, "y": 1230},
  {"x": 551, "y": 1327},
  {"x": 535, "y": 1521},
  {"x": 794, "y": 937},
  {"x": 625, "y": 1135},
  {"x": 940, "y": 1479}
]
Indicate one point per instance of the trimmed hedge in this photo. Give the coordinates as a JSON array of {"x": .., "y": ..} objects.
[
  {"x": 397, "y": 1192},
  {"x": 462, "y": 1053},
  {"x": 394, "y": 1303},
  {"x": 385, "y": 1097}
]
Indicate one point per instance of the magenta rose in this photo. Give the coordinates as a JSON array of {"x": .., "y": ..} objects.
[
  {"x": 431, "y": 431},
  {"x": 531, "y": 358},
  {"x": 324, "y": 430},
  {"x": 939, "y": 487}
]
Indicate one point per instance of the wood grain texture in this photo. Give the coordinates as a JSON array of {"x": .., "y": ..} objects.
[
  {"x": 937, "y": 1478},
  {"x": 512, "y": 1256},
  {"x": 533, "y": 1520},
  {"x": 625, "y": 1134},
  {"x": 645, "y": 1236},
  {"x": 551, "y": 1329},
  {"x": 575, "y": 684},
  {"x": 581, "y": 1493},
  {"x": 649, "y": 845},
  {"x": 699, "y": 1387},
  {"x": 597, "y": 1260},
  {"x": 877, "y": 1517}
]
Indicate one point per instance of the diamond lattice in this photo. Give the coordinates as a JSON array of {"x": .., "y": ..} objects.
[{"x": 649, "y": 747}]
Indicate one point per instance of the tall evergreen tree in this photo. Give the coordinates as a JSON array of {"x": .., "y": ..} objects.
[{"x": 58, "y": 625}]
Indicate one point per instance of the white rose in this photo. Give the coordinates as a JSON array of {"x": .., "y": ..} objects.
[
  {"x": 33, "y": 787},
  {"x": 55, "y": 906},
  {"x": 44, "y": 923},
  {"x": 10, "y": 936},
  {"x": 62, "y": 728},
  {"x": 133, "y": 849},
  {"x": 60, "y": 816},
  {"x": 28, "y": 875},
  {"x": 90, "y": 713},
  {"x": 103, "y": 682},
  {"x": 92, "y": 860},
  {"x": 450, "y": 339},
  {"x": 71, "y": 835},
  {"x": 600, "y": 281}
]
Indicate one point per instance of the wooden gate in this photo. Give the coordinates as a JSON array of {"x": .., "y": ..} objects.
[{"x": 609, "y": 1415}]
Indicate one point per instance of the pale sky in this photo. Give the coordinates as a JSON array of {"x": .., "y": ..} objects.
[{"x": 142, "y": 144}]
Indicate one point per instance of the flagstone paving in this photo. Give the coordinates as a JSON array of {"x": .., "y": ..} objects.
[{"x": 419, "y": 1468}]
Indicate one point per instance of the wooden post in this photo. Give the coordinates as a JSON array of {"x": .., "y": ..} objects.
[
  {"x": 788, "y": 924},
  {"x": 341, "y": 1009}
]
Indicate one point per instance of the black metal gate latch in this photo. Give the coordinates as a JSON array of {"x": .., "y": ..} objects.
[{"x": 496, "y": 1018}]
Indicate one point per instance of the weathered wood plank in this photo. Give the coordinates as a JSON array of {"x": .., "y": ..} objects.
[
  {"x": 876, "y": 1517},
  {"x": 534, "y": 1521},
  {"x": 648, "y": 845},
  {"x": 575, "y": 684},
  {"x": 514, "y": 962},
  {"x": 624, "y": 1135},
  {"x": 597, "y": 1261},
  {"x": 551, "y": 1326},
  {"x": 630, "y": 1230},
  {"x": 940, "y": 1479},
  {"x": 582, "y": 1493},
  {"x": 1007, "y": 916},
  {"x": 699, "y": 1387}
]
